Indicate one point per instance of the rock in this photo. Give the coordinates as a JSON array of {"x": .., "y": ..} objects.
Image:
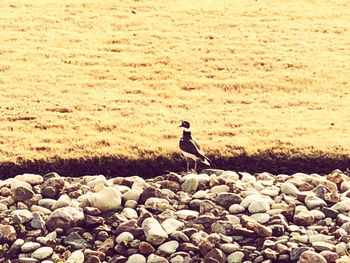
[
  {"x": 261, "y": 218},
  {"x": 136, "y": 258},
  {"x": 190, "y": 185},
  {"x": 146, "y": 248},
  {"x": 52, "y": 187},
  {"x": 160, "y": 204},
  {"x": 156, "y": 259},
  {"x": 322, "y": 245},
  {"x": 21, "y": 191},
  {"x": 342, "y": 206},
  {"x": 21, "y": 216},
  {"x": 331, "y": 257},
  {"x": 76, "y": 257},
  {"x": 15, "y": 248},
  {"x": 65, "y": 217},
  {"x": 7, "y": 233},
  {"x": 169, "y": 247},
  {"x": 42, "y": 253},
  {"x": 108, "y": 199},
  {"x": 215, "y": 256},
  {"x": 32, "y": 179},
  {"x": 187, "y": 214},
  {"x": 228, "y": 199},
  {"x": 311, "y": 257},
  {"x": 289, "y": 189},
  {"x": 217, "y": 189},
  {"x": 303, "y": 217},
  {"x": 75, "y": 241},
  {"x": 229, "y": 248},
  {"x": 235, "y": 257},
  {"x": 312, "y": 202},
  {"x": 124, "y": 237},
  {"x": 259, "y": 206},
  {"x": 132, "y": 194},
  {"x": 37, "y": 221},
  {"x": 236, "y": 209},
  {"x": 154, "y": 232},
  {"x": 171, "y": 225}
]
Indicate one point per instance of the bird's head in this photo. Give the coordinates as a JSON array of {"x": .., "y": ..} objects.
[{"x": 185, "y": 124}]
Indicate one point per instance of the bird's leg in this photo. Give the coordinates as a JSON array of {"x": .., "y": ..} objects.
[
  {"x": 195, "y": 166},
  {"x": 188, "y": 165}
]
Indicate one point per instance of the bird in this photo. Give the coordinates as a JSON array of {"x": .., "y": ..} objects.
[{"x": 190, "y": 148}]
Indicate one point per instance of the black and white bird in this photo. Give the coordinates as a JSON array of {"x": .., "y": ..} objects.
[{"x": 190, "y": 148}]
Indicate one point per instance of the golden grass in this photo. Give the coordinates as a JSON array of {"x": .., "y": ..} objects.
[{"x": 83, "y": 79}]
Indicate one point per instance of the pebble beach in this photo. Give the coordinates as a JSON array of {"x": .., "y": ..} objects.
[{"x": 212, "y": 216}]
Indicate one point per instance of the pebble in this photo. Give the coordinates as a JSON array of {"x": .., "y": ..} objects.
[{"x": 214, "y": 216}]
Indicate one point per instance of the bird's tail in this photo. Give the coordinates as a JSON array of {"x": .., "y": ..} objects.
[{"x": 206, "y": 161}]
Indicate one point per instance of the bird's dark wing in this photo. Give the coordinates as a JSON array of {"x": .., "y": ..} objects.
[{"x": 190, "y": 146}]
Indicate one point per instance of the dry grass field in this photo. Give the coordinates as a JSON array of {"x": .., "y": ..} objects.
[{"x": 112, "y": 79}]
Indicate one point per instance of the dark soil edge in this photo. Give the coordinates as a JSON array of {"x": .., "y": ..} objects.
[{"x": 151, "y": 167}]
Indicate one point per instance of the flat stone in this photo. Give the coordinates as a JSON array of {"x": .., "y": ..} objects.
[
  {"x": 169, "y": 247},
  {"x": 322, "y": 245},
  {"x": 259, "y": 206},
  {"x": 32, "y": 179},
  {"x": 42, "y": 253},
  {"x": 303, "y": 218},
  {"x": 156, "y": 259},
  {"x": 76, "y": 241},
  {"x": 229, "y": 248},
  {"x": 236, "y": 209},
  {"x": 136, "y": 258},
  {"x": 187, "y": 214},
  {"x": 30, "y": 246}
]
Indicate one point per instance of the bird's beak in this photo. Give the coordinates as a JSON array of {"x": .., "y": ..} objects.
[{"x": 180, "y": 126}]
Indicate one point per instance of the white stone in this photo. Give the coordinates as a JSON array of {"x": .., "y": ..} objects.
[
  {"x": 136, "y": 258},
  {"x": 124, "y": 237},
  {"x": 76, "y": 257},
  {"x": 289, "y": 189},
  {"x": 202, "y": 178},
  {"x": 32, "y": 179},
  {"x": 129, "y": 213},
  {"x": 312, "y": 201},
  {"x": 169, "y": 247},
  {"x": 108, "y": 199},
  {"x": 236, "y": 209},
  {"x": 132, "y": 194},
  {"x": 217, "y": 189},
  {"x": 235, "y": 257},
  {"x": 200, "y": 194},
  {"x": 342, "y": 206},
  {"x": 42, "y": 253},
  {"x": 171, "y": 225},
  {"x": 187, "y": 214},
  {"x": 259, "y": 206},
  {"x": 261, "y": 218},
  {"x": 30, "y": 246},
  {"x": 250, "y": 199},
  {"x": 21, "y": 216},
  {"x": 63, "y": 201},
  {"x": 154, "y": 232}
]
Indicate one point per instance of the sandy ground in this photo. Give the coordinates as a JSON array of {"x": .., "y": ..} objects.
[{"x": 85, "y": 79}]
